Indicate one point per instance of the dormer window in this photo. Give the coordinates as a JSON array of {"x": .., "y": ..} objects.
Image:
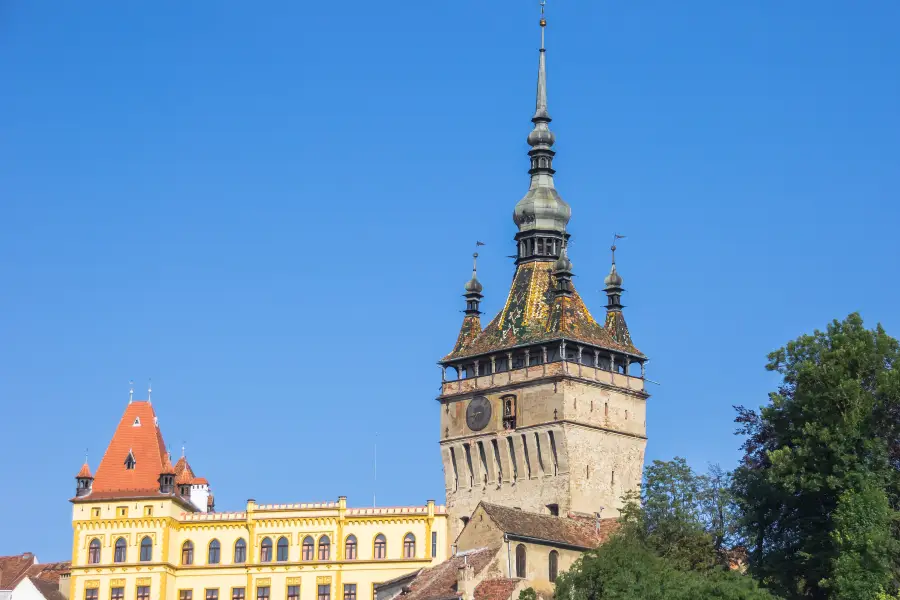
[
  {"x": 129, "y": 461},
  {"x": 137, "y": 422}
]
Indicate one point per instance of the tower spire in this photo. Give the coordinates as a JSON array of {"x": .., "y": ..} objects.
[{"x": 542, "y": 215}]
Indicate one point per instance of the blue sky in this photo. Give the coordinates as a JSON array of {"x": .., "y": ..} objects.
[{"x": 270, "y": 209}]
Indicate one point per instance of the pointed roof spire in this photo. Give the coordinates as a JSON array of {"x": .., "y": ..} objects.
[
  {"x": 613, "y": 281},
  {"x": 131, "y": 391},
  {"x": 562, "y": 271},
  {"x": 473, "y": 289},
  {"x": 542, "y": 209},
  {"x": 85, "y": 472}
]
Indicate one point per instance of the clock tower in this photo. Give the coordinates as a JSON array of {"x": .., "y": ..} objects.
[{"x": 543, "y": 409}]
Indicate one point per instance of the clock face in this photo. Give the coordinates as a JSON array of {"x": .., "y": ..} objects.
[{"x": 478, "y": 413}]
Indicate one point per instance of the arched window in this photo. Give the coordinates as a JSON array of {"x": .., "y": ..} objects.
[
  {"x": 520, "y": 561},
  {"x": 409, "y": 546},
  {"x": 380, "y": 546},
  {"x": 240, "y": 551},
  {"x": 265, "y": 550},
  {"x": 146, "y": 549},
  {"x": 94, "y": 552},
  {"x": 307, "y": 549},
  {"x": 282, "y": 549},
  {"x": 350, "y": 548},
  {"x": 324, "y": 548},
  {"x": 187, "y": 553},
  {"x": 214, "y": 555},
  {"x": 554, "y": 565},
  {"x": 119, "y": 555}
]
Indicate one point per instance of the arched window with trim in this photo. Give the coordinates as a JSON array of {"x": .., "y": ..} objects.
[
  {"x": 146, "y": 549},
  {"x": 240, "y": 551},
  {"x": 553, "y": 565},
  {"x": 324, "y": 548},
  {"x": 94, "y": 552},
  {"x": 380, "y": 547},
  {"x": 409, "y": 546},
  {"x": 282, "y": 549},
  {"x": 187, "y": 553},
  {"x": 350, "y": 547},
  {"x": 214, "y": 553},
  {"x": 121, "y": 550},
  {"x": 308, "y": 548},
  {"x": 520, "y": 561},
  {"x": 265, "y": 550}
]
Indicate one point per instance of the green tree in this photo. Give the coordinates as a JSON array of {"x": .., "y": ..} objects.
[
  {"x": 818, "y": 486},
  {"x": 625, "y": 569}
]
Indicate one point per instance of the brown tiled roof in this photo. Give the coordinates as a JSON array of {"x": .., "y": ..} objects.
[
  {"x": 84, "y": 473},
  {"x": 439, "y": 582},
  {"x": 496, "y": 589},
  {"x": 48, "y": 589},
  {"x": 577, "y": 531},
  {"x": 532, "y": 314},
  {"x": 145, "y": 442},
  {"x": 182, "y": 465},
  {"x": 49, "y": 571},
  {"x": 13, "y": 568}
]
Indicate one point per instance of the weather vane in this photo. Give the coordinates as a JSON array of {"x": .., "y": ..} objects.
[{"x": 616, "y": 237}]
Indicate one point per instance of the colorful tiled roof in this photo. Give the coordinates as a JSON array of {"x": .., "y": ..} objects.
[
  {"x": 533, "y": 314},
  {"x": 577, "y": 531},
  {"x": 139, "y": 434}
]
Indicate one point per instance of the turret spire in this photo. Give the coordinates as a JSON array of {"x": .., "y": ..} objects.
[
  {"x": 542, "y": 215},
  {"x": 613, "y": 282},
  {"x": 473, "y": 289}
]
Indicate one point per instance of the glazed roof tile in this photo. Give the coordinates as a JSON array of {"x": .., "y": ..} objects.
[
  {"x": 533, "y": 314},
  {"x": 139, "y": 434}
]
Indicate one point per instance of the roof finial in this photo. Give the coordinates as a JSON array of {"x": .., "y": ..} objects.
[
  {"x": 131, "y": 391},
  {"x": 183, "y": 444},
  {"x": 85, "y": 456},
  {"x": 613, "y": 281},
  {"x": 616, "y": 237},
  {"x": 149, "y": 390},
  {"x": 473, "y": 286}
]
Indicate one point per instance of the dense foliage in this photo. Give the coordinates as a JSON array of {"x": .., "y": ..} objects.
[{"x": 818, "y": 488}]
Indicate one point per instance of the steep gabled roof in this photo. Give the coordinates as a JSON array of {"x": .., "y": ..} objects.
[
  {"x": 13, "y": 568},
  {"x": 138, "y": 433},
  {"x": 532, "y": 314},
  {"x": 48, "y": 589},
  {"x": 579, "y": 532}
]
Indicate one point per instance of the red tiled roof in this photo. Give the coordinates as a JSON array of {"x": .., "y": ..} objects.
[
  {"x": 167, "y": 469},
  {"x": 184, "y": 478},
  {"x": 577, "y": 531},
  {"x": 84, "y": 473},
  {"x": 139, "y": 434},
  {"x": 200, "y": 481},
  {"x": 496, "y": 589},
  {"x": 13, "y": 568},
  {"x": 48, "y": 589},
  {"x": 439, "y": 581},
  {"x": 49, "y": 572},
  {"x": 182, "y": 465}
]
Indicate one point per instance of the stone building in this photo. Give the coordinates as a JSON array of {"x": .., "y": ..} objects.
[
  {"x": 147, "y": 530},
  {"x": 543, "y": 409}
]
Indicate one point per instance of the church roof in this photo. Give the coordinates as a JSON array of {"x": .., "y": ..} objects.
[
  {"x": 533, "y": 314},
  {"x": 582, "y": 532},
  {"x": 138, "y": 434}
]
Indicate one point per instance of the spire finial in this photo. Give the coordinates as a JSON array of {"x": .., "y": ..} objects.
[
  {"x": 183, "y": 444},
  {"x": 543, "y": 22},
  {"x": 149, "y": 389},
  {"x": 613, "y": 281},
  {"x": 85, "y": 456},
  {"x": 473, "y": 286},
  {"x": 131, "y": 391},
  {"x": 616, "y": 237}
]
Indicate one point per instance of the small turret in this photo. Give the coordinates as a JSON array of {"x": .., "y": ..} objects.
[
  {"x": 613, "y": 286},
  {"x": 167, "y": 477},
  {"x": 473, "y": 290},
  {"x": 210, "y": 503},
  {"x": 84, "y": 481},
  {"x": 183, "y": 483},
  {"x": 562, "y": 272}
]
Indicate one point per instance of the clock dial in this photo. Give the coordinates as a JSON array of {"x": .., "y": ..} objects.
[{"x": 478, "y": 413}]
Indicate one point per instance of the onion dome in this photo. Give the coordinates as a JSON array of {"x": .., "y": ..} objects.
[
  {"x": 542, "y": 208},
  {"x": 473, "y": 290},
  {"x": 613, "y": 279}
]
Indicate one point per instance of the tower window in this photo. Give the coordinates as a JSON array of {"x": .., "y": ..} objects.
[
  {"x": 509, "y": 412},
  {"x": 520, "y": 561},
  {"x": 129, "y": 461},
  {"x": 137, "y": 422},
  {"x": 553, "y": 565}
]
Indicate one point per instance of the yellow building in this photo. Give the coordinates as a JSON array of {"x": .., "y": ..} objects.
[{"x": 139, "y": 534}]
